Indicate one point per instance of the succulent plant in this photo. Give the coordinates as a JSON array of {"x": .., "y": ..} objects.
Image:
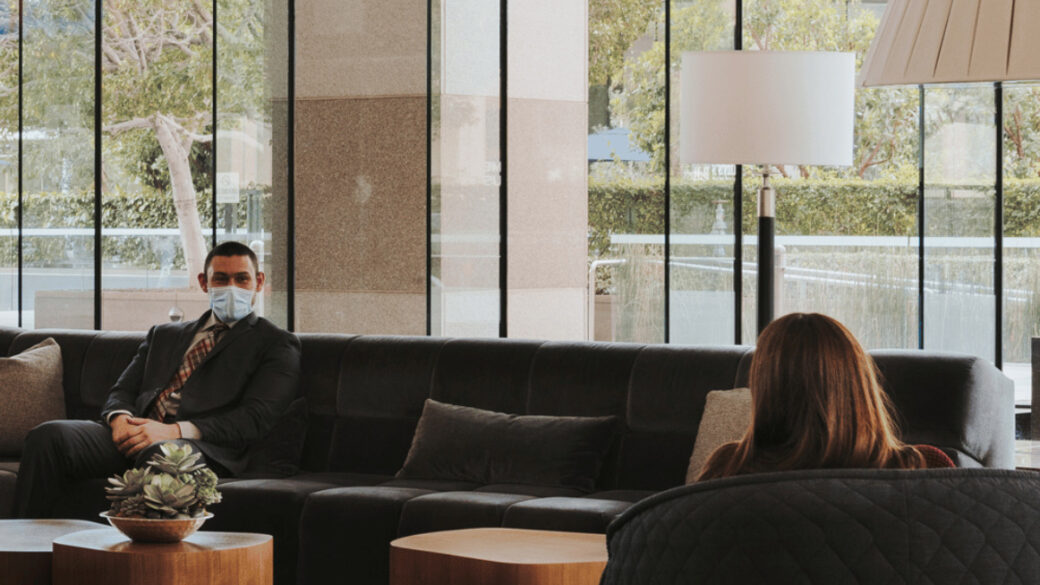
[
  {"x": 176, "y": 460},
  {"x": 172, "y": 485},
  {"x": 132, "y": 482},
  {"x": 170, "y": 496},
  {"x": 134, "y": 506}
]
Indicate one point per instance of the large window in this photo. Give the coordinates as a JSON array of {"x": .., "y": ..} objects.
[
  {"x": 9, "y": 163},
  {"x": 58, "y": 155},
  {"x": 466, "y": 175},
  {"x": 115, "y": 229}
]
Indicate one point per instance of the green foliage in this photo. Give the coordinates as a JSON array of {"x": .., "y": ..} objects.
[
  {"x": 146, "y": 210},
  {"x": 640, "y": 97},
  {"x": 613, "y": 26}
]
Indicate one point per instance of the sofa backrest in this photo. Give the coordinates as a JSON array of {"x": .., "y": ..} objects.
[
  {"x": 956, "y": 401},
  {"x": 365, "y": 393}
]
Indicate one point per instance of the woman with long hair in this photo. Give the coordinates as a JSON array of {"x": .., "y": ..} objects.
[{"x": 816, "y": 403}]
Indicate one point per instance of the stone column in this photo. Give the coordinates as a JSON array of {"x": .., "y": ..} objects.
[
  {"x": 361, "y": 166},
  {"x": 547, "y": 168}
]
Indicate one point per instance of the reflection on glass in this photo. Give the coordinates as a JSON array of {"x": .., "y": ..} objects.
[
  {"x": 702, "y": 199},
  {"x": 58, "y": 165},
  {"x": 1021, "y": 233},
  {"x": 846, "y": 242},
  {"x": 626, "y": 153},
  {"x": 466, "y": 169},
  {"x": 959, "y": 311},
  {"x": 8, "y": 163},
  {"x": 251, "y": 132},
  {"x": 157, "y": 155}
]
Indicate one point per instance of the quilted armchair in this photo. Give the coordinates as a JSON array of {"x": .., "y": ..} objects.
[{"x": 834, "y": 527}]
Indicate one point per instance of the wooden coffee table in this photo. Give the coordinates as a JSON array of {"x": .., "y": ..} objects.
[
  {"x": 107, "y": 557},
  {"x": 498, "y": 556},
  {"x": 25, "y": 548}
]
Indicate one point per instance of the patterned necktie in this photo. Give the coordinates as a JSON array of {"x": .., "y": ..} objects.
[{"x": 169, "y": 398}]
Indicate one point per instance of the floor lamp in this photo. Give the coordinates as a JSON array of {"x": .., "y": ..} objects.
[{"x": 766, "y": 108}]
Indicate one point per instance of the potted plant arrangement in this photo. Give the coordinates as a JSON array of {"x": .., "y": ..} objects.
[{"x": 164, "y": 501}]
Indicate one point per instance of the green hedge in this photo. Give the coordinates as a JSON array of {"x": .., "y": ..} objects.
[{"x": 811, "y": 207}]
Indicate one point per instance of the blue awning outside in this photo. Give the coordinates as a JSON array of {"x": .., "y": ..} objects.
[{"x": 612, "y": 144}]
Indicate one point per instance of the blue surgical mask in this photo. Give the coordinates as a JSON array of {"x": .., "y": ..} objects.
[{"x": 230, "y": 303}]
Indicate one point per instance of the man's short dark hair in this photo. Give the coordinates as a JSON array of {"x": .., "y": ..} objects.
[{"x": 231, "y": 248}]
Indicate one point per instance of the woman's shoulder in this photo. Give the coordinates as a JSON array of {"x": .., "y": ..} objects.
[{"x": 934, "y": 457}]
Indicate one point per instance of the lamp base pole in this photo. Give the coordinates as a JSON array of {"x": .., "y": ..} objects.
[{"x": 766, "y": 234}]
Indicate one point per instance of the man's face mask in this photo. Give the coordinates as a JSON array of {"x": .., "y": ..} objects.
[{"x": 230, "y": 303}]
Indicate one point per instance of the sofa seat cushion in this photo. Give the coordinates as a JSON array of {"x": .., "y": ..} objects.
[
  {"x": 432, "y": 485},
  {"x": 622, "y": 495},
  {"x": 340, "y": 479},
  {"x": 567, "y": 514},
  {"x": 537, "y": 491},
  {"x": 455, "y": 510},
  {"x": 9, "y": 465},
  {"x": 273, "y": 506},
  {"x": 345, "y": 533}
]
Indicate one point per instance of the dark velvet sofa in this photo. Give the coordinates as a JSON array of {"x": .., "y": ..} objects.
[{"x": 333, "y": 520}]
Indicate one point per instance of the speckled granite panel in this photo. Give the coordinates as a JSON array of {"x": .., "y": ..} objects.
[
  {"x": 361, "y": 195},
  {"x": 360, "y": 312}
]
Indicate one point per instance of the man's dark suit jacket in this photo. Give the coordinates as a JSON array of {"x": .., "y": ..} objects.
[{"x": 234, "y": 396}]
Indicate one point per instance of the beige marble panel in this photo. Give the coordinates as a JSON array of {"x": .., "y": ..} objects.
[
  {"x": 360, "y": 312},
  {"x": 553, "y": 313},
  {"x": 548, "y": 194},
  {"x": 360, "y": 48},
  {"x": 361, "y": 195},
  {"x": 548, "y": 50}
]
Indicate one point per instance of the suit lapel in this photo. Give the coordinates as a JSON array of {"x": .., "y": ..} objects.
[{"x": 240, "y": 329}]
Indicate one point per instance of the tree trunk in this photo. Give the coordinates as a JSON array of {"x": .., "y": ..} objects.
[{"x": 176, "y": 153}]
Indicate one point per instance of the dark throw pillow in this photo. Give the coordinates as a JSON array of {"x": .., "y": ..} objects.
[
  {"x": 278, "y": 454},
  {"x": 470, "y": 444}
]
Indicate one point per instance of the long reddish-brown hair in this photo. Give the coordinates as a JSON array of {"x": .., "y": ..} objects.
[{"x": 816, "y": 403}]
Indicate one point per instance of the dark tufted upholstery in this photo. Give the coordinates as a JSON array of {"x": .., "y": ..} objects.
[
  {"x": 365, "y": 393},
  {"x": 834, "y": 527}
]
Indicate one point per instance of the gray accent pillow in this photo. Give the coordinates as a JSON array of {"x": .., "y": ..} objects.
[
  {"x": 470, "y": 444},
  {"x": 31, "y": 391},
  {"x": 727, "y": 415}
]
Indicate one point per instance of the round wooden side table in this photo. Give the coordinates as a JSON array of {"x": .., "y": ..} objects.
[
  {"x": 25, "y": 548},
  {"x": 107, "y": 557},
  {"x": 498, "y": 556}
]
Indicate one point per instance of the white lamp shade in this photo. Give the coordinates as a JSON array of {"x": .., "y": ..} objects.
[
  {"x": 949, "y": 41},
  {"x": 765, "y": 107}
]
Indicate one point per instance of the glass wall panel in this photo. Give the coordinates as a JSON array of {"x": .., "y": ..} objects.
[
  {"x": 466, "y": 169},
  {"x": 960, "y": 169},
  {"x": 9, "y": 163},
  {"x": 702, "y": 198},
  {"x": 58, "y": 166},
  {"x": 252, "y": 132},
  {"x": 1021, "y": 232},
  {"x": 846, "y": 237},
  {"x": 157, "y": 160},
  {"x": 626, "y": 162}
]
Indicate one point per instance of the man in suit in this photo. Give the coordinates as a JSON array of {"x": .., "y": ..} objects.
[{"x": 220, "y": 383}]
